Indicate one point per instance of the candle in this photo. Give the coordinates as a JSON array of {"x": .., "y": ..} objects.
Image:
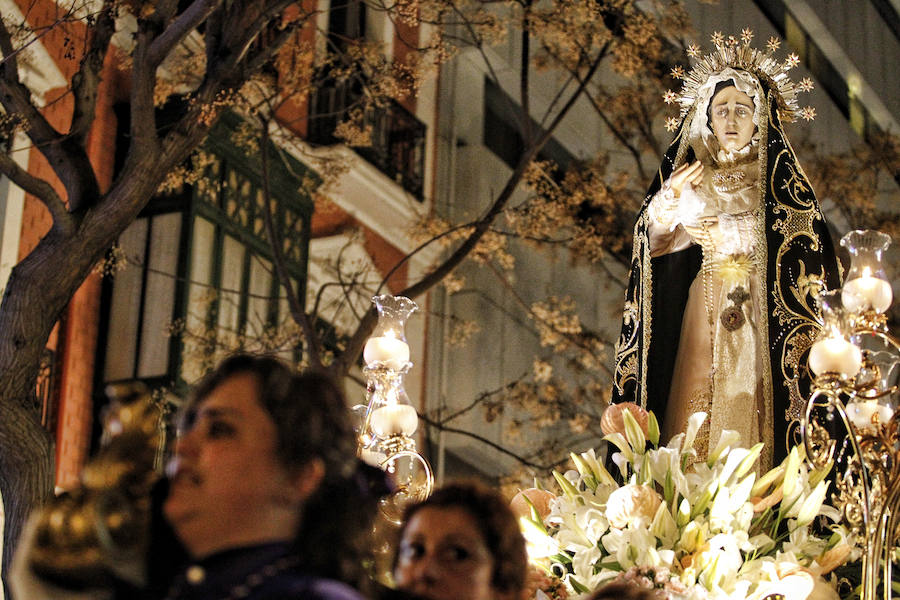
[
  {"x": 387, "y": 350},
  {"x": 861, "y": 413},
  {"x": 867, "y": 292},
  {"x": 394, "y": 419},
  {"x": 835, "y": 355}
]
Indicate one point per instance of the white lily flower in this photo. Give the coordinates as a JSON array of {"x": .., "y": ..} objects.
[
  {"x": 811, "y": 505},
  {"x": 689, "y": 523},
  {"x": 538, "y": 543},
  {"x": 592, "y": 522},
  {"x": 720, "y": 516},
  {"x": 695, "y": 421},
  {"x": 664, "y": 527},
  {"x": 692, "y": 537},
  {"x": 727, "y": 439}
]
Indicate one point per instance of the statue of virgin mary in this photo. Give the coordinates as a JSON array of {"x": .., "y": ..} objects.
[{"x": 730, "y": 249}]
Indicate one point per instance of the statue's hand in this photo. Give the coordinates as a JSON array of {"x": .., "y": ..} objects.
[{"x": 686, "y": 174}]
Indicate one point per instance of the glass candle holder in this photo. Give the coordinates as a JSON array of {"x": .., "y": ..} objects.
[
  {"x": 874, "y": 404},
  {"x": 387, "y": 346},
  {"x": 393, "y": 414},
  {"x": 833, "y": 353},
  {"x": 866, "y": 287}
]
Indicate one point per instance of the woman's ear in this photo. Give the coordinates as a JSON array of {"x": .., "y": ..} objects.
[{"x": 307, "y": 479}]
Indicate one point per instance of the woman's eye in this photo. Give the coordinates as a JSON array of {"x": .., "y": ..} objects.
[
  {"x": 456, "y": 553},
  {"x": 411, "y": 551},
  {"x": 220, "y": 429}
]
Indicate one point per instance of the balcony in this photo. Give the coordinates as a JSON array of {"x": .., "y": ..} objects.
[{"x": 398, "y": 137}]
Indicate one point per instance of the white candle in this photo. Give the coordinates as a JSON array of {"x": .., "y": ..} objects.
[
  {"x": 394, "y": 419},
  {"x": 835, "y": 355},
  {"x": 388, "y": 350},
  {"x": 867, "y": 292},
  {"x": 861, "y": 413}
]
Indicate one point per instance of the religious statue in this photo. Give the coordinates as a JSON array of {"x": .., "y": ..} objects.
[{"x": 730, "y": 249}]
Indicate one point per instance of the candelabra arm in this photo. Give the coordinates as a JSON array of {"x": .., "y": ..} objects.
[
  {"x": 892, "y": 508},
  {"x": 879, "y": 333},
  {"x": 815, "y": 457},
  {"x": 830, "y": 389}
]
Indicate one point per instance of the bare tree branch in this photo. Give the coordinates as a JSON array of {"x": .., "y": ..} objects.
[
  {"x": 355, "y": 344},
  {"x": 179, "y": 29},
  {"x": 575, "y": 340},
  {"x": 525, "y": 70},
  {"x": 487, "y": 442},
  {"x": 237, "y": 36},
  {"x": 619, "y": 135},
  {"x": 86, "y": 81},
  {"x": 479, "y": 399},
  {"x": 40, "y": 189},
  {"x": 66, "y": 157}
]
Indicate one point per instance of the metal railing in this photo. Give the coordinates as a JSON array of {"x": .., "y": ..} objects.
[{"x": 398, "y": 137}]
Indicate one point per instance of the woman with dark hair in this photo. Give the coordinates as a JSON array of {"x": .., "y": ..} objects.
[
  {"x": 265, "y": 491},
  {"x": 626, "y": 591},
  {"x": 264, "y": 499},
  {"x": 462, "y": 543}
]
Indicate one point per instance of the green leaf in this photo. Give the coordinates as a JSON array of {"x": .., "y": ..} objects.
[
  {"x": 535, "y": 515},
  {"x": 580, "y": 465},
  {"x": 748, "y": 461},
  {"x": 664, "y": 526},
  {"x": 622, "y": 444},
  {"x": 669, "y": 487},
  {"x": 684, "y": 513},
  {"x": 566, "y": 486},
  {"x": 633, "y": 432},
  {"x": 701, "y": 503},
  {"x": 536, "y": 525},
  {"x": 577, "y": 585},
  {"x": 653, "y": 429},
  {"x": 612, "y": 565},
  {"x": 764, "y": 482},
  {"x": 818, "y": 475},
  {"x": 710, "y": 575},
  {"x": 812, "y": 504},
  {"x": 645, "y": 476},
  {"x": 597, "y": 467},
  {"x": 791, "y": 472}
]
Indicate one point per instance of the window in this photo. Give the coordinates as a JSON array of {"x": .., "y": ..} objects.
[
  {"x": 502, "y": 131},
  {"x": 199, "y": 263}
]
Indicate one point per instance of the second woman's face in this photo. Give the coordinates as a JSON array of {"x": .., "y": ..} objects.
[
  {"x": 732, "y": 118},
  {"x": 228, "y": 488},
  {"x": 443, "y": 556}
]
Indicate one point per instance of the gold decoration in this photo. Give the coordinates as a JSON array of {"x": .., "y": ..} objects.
[
  {"x": 100, "y": 529},
  {"x": 735, "y": 269},
  {"x": 737, "y": 54}
]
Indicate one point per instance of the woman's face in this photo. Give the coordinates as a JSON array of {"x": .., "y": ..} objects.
[
  {"x": 443, "y": 556},
  {"x": 732, "y": 118},
  {"x": 229, "y": 488}
]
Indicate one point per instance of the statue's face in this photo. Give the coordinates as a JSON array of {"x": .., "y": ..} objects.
[{"x": 732, "y": 118}]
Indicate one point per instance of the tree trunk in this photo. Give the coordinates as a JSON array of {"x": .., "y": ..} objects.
[{"x": 26, "y": 469}]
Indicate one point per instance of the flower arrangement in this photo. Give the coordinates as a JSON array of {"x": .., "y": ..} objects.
[{"x": 689, "y": 528}]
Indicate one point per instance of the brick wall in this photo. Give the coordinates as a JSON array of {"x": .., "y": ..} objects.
[
  {"x": 82, "y": 321},
  {"x": 76, "y": 343}
]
